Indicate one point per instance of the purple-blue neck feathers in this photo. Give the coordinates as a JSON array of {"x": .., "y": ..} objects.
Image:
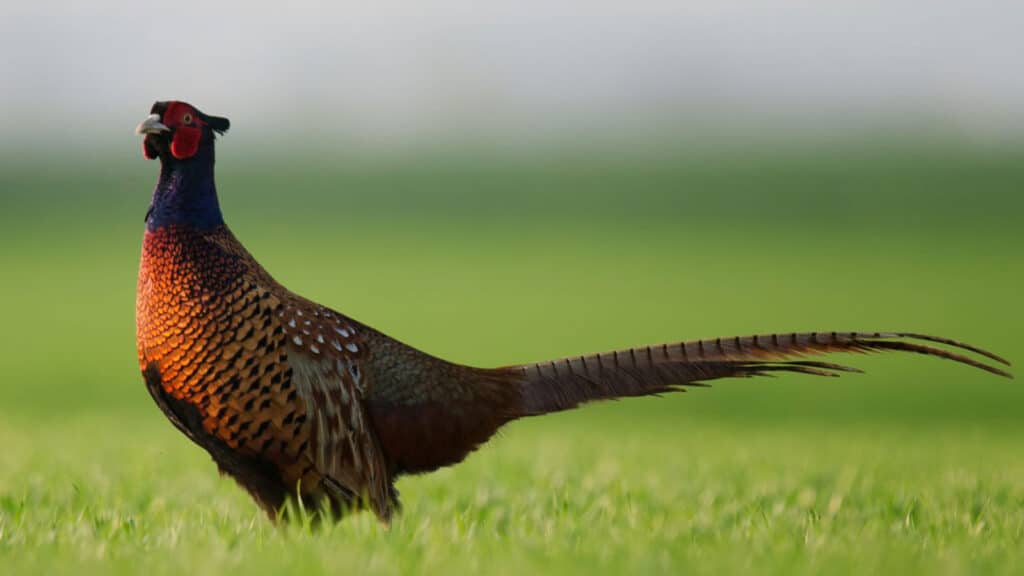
[{"x": 186, "y": 193}]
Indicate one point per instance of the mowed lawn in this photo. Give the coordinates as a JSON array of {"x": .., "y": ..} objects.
[{"x": 913, "y": 467}]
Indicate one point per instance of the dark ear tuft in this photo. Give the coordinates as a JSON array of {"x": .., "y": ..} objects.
[{"x": 219, "y": 125}]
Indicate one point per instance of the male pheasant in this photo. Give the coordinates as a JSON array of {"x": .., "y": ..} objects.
[{"x": 299, "y": 402}]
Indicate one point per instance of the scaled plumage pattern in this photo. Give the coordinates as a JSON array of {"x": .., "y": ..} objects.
[{"x": 297, "y": 401}]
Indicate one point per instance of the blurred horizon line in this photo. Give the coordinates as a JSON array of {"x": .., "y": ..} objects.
[{"x": 698, "y": 141}]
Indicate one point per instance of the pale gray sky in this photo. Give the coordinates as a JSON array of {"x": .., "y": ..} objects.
[{"x": 390, "y": 73}]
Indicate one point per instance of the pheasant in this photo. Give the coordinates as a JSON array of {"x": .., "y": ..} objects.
[{"x": 300, "y": 403}]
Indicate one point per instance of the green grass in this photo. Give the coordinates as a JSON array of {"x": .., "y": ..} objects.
[
  {"x": 578, "y": 494},
  {"x": 915, "y": 467}
]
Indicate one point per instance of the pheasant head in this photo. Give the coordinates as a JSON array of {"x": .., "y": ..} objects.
[
  {"x": 175, "y": 131},
  {"x": 182, "y": 138}
]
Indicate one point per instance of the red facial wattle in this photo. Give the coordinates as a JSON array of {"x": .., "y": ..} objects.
[
  {"x": 186, "y": 142},
  {"x": 188, "y": 129}
]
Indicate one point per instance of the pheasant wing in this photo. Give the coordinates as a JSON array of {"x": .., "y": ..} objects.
[{"x": 325, "y": 355}]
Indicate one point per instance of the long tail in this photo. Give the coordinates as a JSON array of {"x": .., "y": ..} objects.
[{"x": 567, "y": 383}]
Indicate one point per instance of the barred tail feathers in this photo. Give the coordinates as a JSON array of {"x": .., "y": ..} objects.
[{"x": 569, "y": 382}]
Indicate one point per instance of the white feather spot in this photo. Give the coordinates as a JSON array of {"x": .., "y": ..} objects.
[
  {"x": 291, "y": 323},
  {"x": 351, "y": 347},
  {"x": 298, "y": 313},
  {"x": 314, "y": 349},
  {"x": 319, "y": 339},
  {"x": 342, "y": 332},
  {"x": 336, "y": 345},
  {"x": 297, "y": 340}
]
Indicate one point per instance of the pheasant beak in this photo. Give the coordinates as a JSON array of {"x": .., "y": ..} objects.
[{"x": 152, "y": 125}]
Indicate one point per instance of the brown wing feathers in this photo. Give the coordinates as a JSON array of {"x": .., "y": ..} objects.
[{"x": 569, "y": 382}]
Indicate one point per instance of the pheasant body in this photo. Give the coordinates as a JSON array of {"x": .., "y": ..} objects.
[
  {"x": 297, "y": 401},
  {"x": 264, "y": 373}
]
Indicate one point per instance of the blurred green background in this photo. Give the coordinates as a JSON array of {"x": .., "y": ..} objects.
[
  {"x": 497, "y": 259},
  {"x": 503, "y": 182},
  {"x": 493, "y": 260}
]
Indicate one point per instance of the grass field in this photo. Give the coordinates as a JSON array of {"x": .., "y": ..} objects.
[{"x": 915, "y": 467}]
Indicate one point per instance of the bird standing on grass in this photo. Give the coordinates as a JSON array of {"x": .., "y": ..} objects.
[{"x": 299, "y": 402}]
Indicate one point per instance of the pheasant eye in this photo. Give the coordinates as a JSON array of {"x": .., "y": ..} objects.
[{"x": 186, "y": 119}]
